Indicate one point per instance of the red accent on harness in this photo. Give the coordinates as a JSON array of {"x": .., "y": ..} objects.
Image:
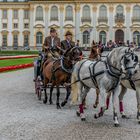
[
  {"x": 121, "y": 106},
  {"x": 81, "y": 108},
  {"x": 107, "y": 102}
]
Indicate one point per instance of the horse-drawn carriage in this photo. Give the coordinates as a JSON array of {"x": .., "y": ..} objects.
[
  {"x": 54, "y": 72},
  {"x": 104, "y": 75}
]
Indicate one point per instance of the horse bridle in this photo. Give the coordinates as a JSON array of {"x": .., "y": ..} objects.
[{"x": 126, "y": 60}]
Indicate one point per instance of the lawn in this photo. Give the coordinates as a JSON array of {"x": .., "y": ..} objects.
[{"x": 12, "y": 62}]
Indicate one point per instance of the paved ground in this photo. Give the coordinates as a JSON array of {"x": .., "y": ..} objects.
[{"x": 23, "y": 117}]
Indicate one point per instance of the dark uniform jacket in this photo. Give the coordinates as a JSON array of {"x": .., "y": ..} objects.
[
  {"x": 56, "y": 42},
  {"x": 65, "y": 45}
]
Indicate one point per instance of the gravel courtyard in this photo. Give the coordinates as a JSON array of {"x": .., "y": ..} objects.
[{"x": 23, "y": 117}]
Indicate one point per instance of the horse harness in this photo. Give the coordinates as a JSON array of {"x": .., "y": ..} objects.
[
  {"x": 93, "y": 75},
  {"x": 60, "y": 67}
]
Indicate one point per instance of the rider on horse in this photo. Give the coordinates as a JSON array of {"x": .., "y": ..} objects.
[{"x": 52, "y": 44}]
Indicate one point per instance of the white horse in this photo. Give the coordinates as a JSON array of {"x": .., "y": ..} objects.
[
  {"x": 104, "y": 75},
  {"x": 134, "y": 84}
]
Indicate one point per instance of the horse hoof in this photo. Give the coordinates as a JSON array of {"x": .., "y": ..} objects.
[
  {"x": 63, "y": 103},
  {"x": 45, "y": 101},
  {"x": 125, "y": 117},
  {"x": 95, "y": 116},
  {"x": 78, "y": 113},
  {"x": 83, "y": 119},
  {"x": 58, "y": 106},
  {"x": 138, "y": 122},
  {"x": 94, "y": 106},
  {"x": 51, "y": 102},
  {"x": 116, "y": 124}
]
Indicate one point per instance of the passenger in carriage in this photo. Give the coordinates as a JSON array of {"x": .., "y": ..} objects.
[
  {"x": 67, "y": 43},
  {"x": 52, "y": 44}
]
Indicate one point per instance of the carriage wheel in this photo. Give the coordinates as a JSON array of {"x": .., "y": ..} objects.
[{"x": 39, "y": 93}]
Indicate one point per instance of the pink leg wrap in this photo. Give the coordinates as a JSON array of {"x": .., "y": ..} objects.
[
  {"x": 107, "y": 102},
  {"x": 81, "y": 108},
  {"x": 121, "y": 106}
]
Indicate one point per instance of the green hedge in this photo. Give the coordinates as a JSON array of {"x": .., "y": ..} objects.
[{"x": 2, "y": 53}]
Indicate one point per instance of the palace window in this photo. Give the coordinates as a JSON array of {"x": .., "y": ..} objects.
[
  {"x": 26, "y": 25},
  {"x": 102, "y": 37},
  {"x": 69, "y": 13},
  {"x": 4, "y": 14},
  {"x": 15, "y": 14},
  {"x": 15, "y": 25},
  {"x": 54, "y": 13},
  {"x": 15, "y": 40},
  {"x": 39, "y": 13},
  {"x": 26, "y": 14},
  {"x": 119, "y": 10},
  {"x": 39, "y": 39},
  {"x": 136, "y": 37},
  {"x": 26, "y": 40},
  {"x": 103, "y": 13},
  {"x": 86, "y": 38},
  {"x": 119, "y": 14},
  {"x": 4, "y": 40},
  {"x": 4, "y": 25},
  {"x": 86, "y": 14},
  {"x": 136, "y": 12}
]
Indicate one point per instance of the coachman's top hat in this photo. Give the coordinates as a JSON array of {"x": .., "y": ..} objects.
[{"x": 68, "y": 33}]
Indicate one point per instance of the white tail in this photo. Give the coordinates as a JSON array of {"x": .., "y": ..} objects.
[{"x": 74, "y": 88}]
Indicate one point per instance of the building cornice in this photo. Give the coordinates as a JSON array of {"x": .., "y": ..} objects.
[{"x": 70, "y": 1}]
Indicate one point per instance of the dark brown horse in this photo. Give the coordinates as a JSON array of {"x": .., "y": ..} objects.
[{"x": 57, "y": 72}]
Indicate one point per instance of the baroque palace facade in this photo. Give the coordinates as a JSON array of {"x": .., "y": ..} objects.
[{"x": 27, "y": 22}]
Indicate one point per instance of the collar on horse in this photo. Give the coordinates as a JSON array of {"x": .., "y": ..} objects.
[
  {"x": 111, "y": 72},
  {"x": 63, "y": 67}
]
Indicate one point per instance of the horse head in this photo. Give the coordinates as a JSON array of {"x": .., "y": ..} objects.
[
  {"x": 129, "y": 62},
  {"x": 73, "y": 54}
]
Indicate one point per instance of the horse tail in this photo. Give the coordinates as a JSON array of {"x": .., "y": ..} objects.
[{"x": 74, "y": 87}]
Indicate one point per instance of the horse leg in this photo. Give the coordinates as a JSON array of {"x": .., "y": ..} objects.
[
  {"x": 45, "y": 94},
  {"x": 97, "y": 99},
  {"x": 103, "y": 106},
  {"x": 58, "y": 95},
  {"x": 81, "y": 106},
  {"x": 67, "y": 96},
  {"x": 108, "y": 100},
  {"x": 138, "y": 103},
  {"x": 121, "y": 95},
  {"x": 114, "y": 103},
  {"x": 51, "y": 90}
]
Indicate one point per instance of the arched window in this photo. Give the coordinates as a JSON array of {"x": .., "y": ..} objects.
[
  {"x": 39, "y": 13},
  {"x": 69, "y": 13},
  {"x": 136, "y": 12},
  {"x": 86, "y": 12},
  {"x": 119, "y": 36},
  {"x": 54, "y": 13},
  {"x": 86, "y": 38},
  {"x": 39, "y": 39},
  {"x": 136, "y": 37},
  {"x": 119, "y": 10},
  {"x": 103, "y": 12},
  {"x": 102, "y": 37}
]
